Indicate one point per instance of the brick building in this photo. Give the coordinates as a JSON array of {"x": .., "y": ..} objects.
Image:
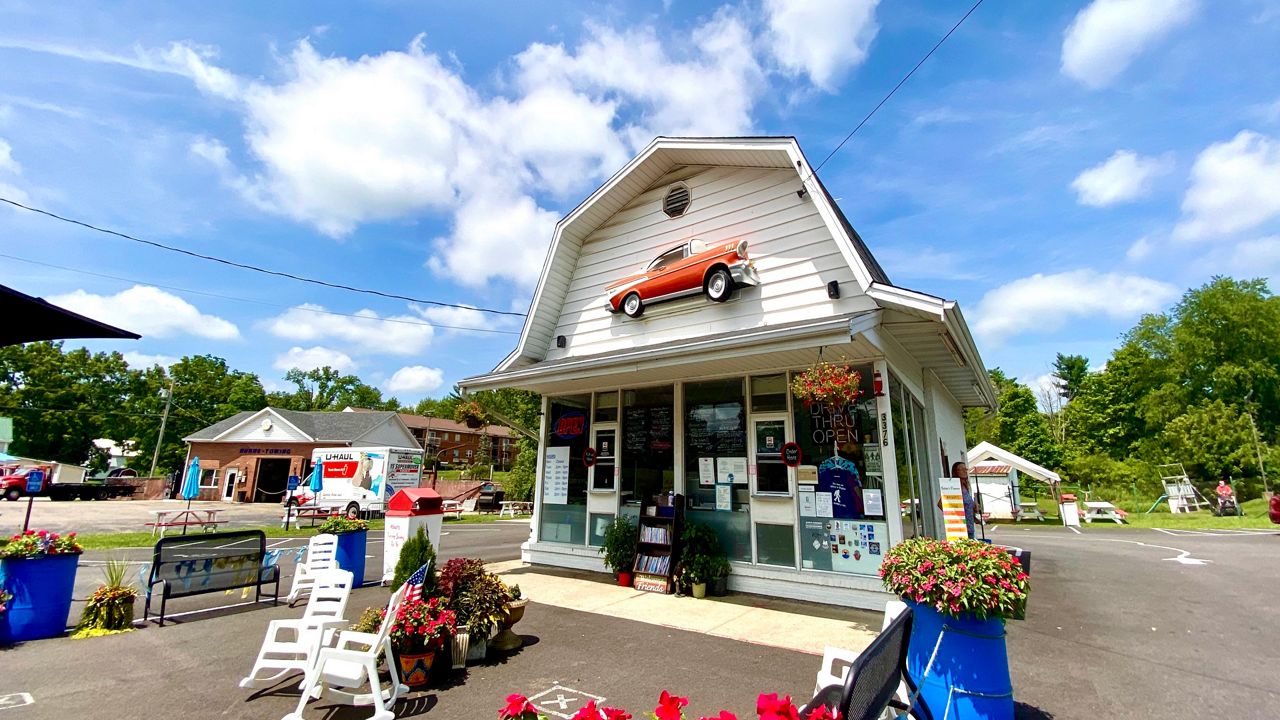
[
  {"x": 249, "y": 456},
  {"x": 451, "y": 442}
]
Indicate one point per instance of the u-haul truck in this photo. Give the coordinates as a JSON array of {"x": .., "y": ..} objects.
[{"x": 360, "y": 479}]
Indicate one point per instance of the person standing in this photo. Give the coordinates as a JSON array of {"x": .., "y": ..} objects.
[{"x": 972, "y": 504}]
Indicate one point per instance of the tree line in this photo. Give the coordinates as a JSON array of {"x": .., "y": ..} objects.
[{"x": 1192, "y": 386}]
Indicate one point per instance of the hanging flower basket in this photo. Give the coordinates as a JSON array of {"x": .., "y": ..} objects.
[
  {"x": 470, "y": 413},
  {"x": 834, "y": 384}
]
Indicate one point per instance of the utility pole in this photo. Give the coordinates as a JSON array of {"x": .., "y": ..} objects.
[
  {"x": 155, "y": 456},
  {"x": 1257, "y": 447}
]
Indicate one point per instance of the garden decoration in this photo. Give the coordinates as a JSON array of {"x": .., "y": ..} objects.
[
  {"x": 507, "y": 640},
  {"x": 353, "y": 536},
  {"x": 470, "y": 413},
  {"x": 960, "y": 593},
  {"x": 619, "y": 548},
  {"x": 417, "y": 633},
  {"x": 109, "y": 610},
  {"x": 38, "y": 572},
  {"x": 670, "y": 707}
]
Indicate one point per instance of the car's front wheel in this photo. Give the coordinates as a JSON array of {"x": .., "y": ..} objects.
[
  {"x": 719, "y": 285},
  {"x": 632, "y": 305}
]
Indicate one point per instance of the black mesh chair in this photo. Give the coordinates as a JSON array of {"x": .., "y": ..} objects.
[{"x": 874, "y": 678}]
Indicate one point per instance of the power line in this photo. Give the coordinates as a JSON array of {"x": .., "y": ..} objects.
[
  {"x": 901, "y": 82},
  {"x": 250, "y": 300},
  {"x": 254, "y": 268}
]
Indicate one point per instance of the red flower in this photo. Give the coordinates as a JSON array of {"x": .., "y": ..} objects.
[
  {"x": 669, "y": 706},
  {"x": 613, "y": 713},
  {"x": 517, "y": 706},
  {"x": 771, "y": 707},
  {"x": 822, "y": 713},
  {"x": 724, "y": 715},
  {"x": 587, "y": 712}
]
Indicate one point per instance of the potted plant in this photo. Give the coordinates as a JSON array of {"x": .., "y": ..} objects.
[
  {"x": 831, "y": 383},
  {"x": 699, "y": 547},
  {"x": 417, "y": 632},
  {"x": 619, "y": 548},
  {"x": 470, "y": 413},
  {"x": 484, "y": 604},
  {"x": 416, "y": 552},
  {"x": 109, "y": 609},
  {"x": 971, "y": 588},
  {"x": 38, "y": 570},
  {"x": 506, "y": 639},
  {"x": 352, "y": 540},
  {"x": 720, "y": 569}
]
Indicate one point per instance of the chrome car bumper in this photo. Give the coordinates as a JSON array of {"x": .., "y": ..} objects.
[{"x": 744, "y": 273}]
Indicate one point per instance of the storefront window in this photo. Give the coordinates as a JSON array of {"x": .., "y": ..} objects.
[
  {"x": 564, "y": 481},
  {"x": 841, "y": 484},
  {"x": 648, "y": 444},
  {"x": 907, "y": 415},
  {"x": 775, "y": 544},
  {"x": 597, "y": 527},
  {"x": 715, "y": 452},
  {"x": 769, "y": 393},
  {"x": 607, "y": 407},
  {"x": 602, "y": 476}
]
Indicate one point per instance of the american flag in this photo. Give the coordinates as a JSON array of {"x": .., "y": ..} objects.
[{"x": 413, "y": 586}]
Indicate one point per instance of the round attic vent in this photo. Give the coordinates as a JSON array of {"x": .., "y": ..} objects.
[
  {"x": 266, "y": 425},
  {"x": 677, "y": 200}
]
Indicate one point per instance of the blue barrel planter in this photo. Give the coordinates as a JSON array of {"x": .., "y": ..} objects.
[
  {"x": 970, "y": 673},
  {"x": 41, "y": 589},
  {"x": 350, "y": 553}
]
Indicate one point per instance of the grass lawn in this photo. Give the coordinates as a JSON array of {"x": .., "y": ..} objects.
[
  {"x": 112, "y": 541},
  {"x": 488, "y": 518},
  {"x": 1255, "y": 516},
  {"x": 499, "y": 476}
]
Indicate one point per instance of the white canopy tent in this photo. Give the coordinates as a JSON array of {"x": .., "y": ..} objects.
[{"x": 995, "y": 474}]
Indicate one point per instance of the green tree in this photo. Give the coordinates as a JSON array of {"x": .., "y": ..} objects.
[
  {"x": 1212, "y": 441},
  {"x": 1069, "y": 372},
  {"x": 980, "y": 424},
  {"x": 1023, "y": 430},
  {"x": 327, "y": 389},
  {"x": 416, "y": 552}
]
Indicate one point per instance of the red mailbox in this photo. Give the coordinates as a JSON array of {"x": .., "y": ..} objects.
[{"x": 413, "y": 502}]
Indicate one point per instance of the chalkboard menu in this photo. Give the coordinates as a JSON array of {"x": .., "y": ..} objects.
[
  {"x": 647, "y": 428},
  {"x": 716, "y": 430}
]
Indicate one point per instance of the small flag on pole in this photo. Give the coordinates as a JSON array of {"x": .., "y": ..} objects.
[{"x": 413, "y": 585}]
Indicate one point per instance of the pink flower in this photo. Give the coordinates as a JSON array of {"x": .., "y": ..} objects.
[
  {"x": 822, "y": 713},
  {"x": 613, "y": 713},
  {"x": 517, "y": 707},
  {"x": 724, "y": 715},
  {"x": 587, "y": 712},
  {"x": 669, "y": 706},
  {"x": 771, "y": 707}
]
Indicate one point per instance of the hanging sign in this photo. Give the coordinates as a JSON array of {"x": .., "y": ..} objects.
[
  {"x": 791, "y": 454},
  {"x": 589, "y": 457}
]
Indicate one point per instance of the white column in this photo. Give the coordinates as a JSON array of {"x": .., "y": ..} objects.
[
  {"x": 535, "y": 522},
  {"x": 889, "y": 458}
]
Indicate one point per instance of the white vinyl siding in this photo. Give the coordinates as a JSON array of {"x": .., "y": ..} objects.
[{"x": 794, "y": 254}]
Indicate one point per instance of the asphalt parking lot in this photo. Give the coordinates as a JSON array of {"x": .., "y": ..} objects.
[
  {"x": 94, "y": 516},
  {"x": 1130, "y": 623}
]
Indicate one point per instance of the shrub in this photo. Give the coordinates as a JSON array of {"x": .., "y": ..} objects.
[
  {"x": 619, "y": 546},
  {"x": 416, "y": 552}
]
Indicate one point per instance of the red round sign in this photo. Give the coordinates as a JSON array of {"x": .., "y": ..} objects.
[
  {"x": 589, "y": 457},
  {"x": 791, "y": 454}
]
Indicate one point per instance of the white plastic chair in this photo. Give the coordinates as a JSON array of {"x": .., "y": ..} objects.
[
  {"x": 322, "y": 554},
  {"x": 352, "y": 664},
  {"x": 836, "y": 661},
  {"x": 293, "y": 645}
]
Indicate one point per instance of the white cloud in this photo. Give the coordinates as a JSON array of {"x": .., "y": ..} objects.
[
  {"x": 459, "y": 319},
  {"x": 414, "y": 379},
  {"x": 140, "y": 361},
  {"x": 148, "y": 311},
  {"x": 495, "y": 235},
  {"x": 367, "y": 334},
  {"x": 7, "y": 163},
  {"x": 1044, "y": 303},
  {"x": 822, "y": 39},
  {"x": 1108, "y": 34},
  {"x": 1124, "y": 177},
  {"x": 1140, "y": 249},
  {"x": 314, "y": 357},
  {"x": 1235, "y": 186}
]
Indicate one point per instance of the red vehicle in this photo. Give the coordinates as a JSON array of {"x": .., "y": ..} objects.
[
  {"x": 684, "y": 270},
  {"x": 1273, "y": 509}
]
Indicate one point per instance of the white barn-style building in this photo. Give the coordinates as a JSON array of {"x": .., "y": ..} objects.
[{"x": 694, "y": 393}]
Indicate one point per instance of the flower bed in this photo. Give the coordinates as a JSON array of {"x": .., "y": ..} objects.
[
  {"x": 670, "y": 707},
  {"x": 39, "y": 543}
]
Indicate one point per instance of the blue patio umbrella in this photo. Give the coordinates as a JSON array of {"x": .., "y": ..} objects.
[
  {"x": 191, "y": 485},
  {"x": 317, "y": 478}
]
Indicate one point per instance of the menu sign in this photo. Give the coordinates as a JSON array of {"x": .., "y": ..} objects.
[
  {"x": 645, "y": 429},
  {"x": 555, "y": 476}
]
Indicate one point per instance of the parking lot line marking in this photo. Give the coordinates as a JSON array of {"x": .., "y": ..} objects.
[
  {"x": 1183, "y": 557},
  {"x": 562, "y": 702},
  {"x": 1074, "y": 529},
  {"x": 13, "y": 700}
]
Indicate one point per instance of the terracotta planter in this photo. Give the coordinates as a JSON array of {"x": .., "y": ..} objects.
[
  {"x": 415, "y": 668},
  {"x": 699, "y": 590}
]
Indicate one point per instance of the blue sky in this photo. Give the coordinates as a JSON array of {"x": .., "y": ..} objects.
[{"x": 1057, "y": 168}]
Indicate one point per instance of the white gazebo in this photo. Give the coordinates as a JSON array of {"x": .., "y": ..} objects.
[{"x": 995, "y": 473}]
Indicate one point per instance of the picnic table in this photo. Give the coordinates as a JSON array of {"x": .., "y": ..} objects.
[
  {"x": 1099, "y": 510},
  {"x": 206, "y": 518},
  {"x": 514, "y": 507},
  {"x": 453, "y": 507},
  {"x": 296, "y": 514},
  {"x": 1029, "y": 510}
]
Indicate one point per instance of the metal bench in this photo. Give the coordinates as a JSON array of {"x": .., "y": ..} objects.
[
  {"x": 873, "y": 679},
  {"x": 214, "y": 562}
]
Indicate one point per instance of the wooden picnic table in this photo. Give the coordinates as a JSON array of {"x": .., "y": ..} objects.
[
  {"x": 514, "y": 507},
  {"x": 1029, "y": 510},
  {"x": 452, "y": 507},
  {"x": 206, "y": 518},
  {"x": 1100, "y": 510}
]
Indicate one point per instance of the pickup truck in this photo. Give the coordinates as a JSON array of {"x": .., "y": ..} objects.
[{"x": 13, "y": 485}]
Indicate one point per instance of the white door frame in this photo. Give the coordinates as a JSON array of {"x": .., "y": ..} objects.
[{"x": 230, "y": 477}]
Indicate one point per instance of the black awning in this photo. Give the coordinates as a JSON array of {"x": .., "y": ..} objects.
[{"x": 27, "y": 319}]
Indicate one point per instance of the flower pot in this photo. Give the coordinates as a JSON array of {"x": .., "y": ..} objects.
[
  {"x": 700, "y": 590},
  {"x": 719, "y": 587},
  {"x": 506, "y": 640},
  {"x": 478, "y": 650},
  {"x": 474, "y": 422},
  {"x": 415, "y": 668},
  {"x": 625, "y": 579},
  {"x": 461, "y": 646},
  {"x": 971, "y": 670},
  {"x": 41, "y": 589},
  {"x": 350, "y": 553}
]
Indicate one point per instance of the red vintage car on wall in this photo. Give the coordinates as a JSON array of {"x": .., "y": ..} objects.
[{"x": 684, "y": 270}]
